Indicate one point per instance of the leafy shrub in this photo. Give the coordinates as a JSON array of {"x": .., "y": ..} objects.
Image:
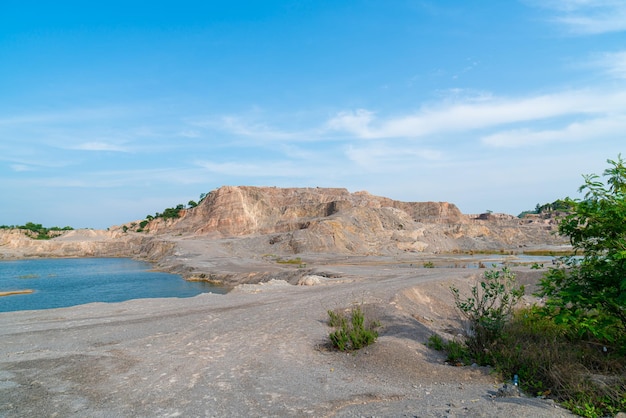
[
  {"x": 584, "y": 377},
  {"x": 296, "y": 261},
  {"x": 170, "y": 213},
  {"x": 456, "y": 352},
  {"x": 488, "y": 308},
  {"x": 589, "y": 294},
  {"x": 436, "y": 343},
  {"x": 574, "y": 348},
  {"x": 352, "y": 331},
  {"x": 585, "y": 296},
  {"x": 587, "y": 378},
  {"x": 142, "y": 225}
]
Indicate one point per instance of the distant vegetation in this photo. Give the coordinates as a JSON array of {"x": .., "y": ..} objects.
[
  {"x": 168, "y": 213},
  {"x": 559, "y": 205},
  {"x": 38, "y": 231}
]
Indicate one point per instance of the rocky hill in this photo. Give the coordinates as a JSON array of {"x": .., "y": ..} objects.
[
  {"x": 303, "y": 220},
  {"x": 237, "y": 234},
  {"x": 264, "y": 220}
]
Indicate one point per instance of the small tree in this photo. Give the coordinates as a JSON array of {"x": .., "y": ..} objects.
[
  {"x": 590, "y": 293},
  {"x": 488, "y": 308}
]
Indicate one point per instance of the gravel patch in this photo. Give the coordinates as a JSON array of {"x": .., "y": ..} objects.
[{"x": 259, "y": 350}]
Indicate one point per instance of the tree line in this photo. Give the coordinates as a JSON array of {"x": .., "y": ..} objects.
[
  {"x": 167, "y": 213},
  {"x": 40, "y": 231}
]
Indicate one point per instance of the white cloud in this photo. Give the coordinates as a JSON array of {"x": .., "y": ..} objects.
[
  {"x": 577, "y": 131},
  {"x": 31, "y": 161},
  {"x": 464, "y": 94},
  {"x": 190, "y": 133},
  {"x": 253, "y": 169},
  {"x": 356, "y": 122},
  {"x": 99, "y": 146},
  {"x": 588, "y": 17},
  {"x": 473, "y": 115},
  {"x": 387, "y": 158},
  {"x": 107, "y": 179},
  {"x": 21, "y": 167},
  {"x": 306, "y": 166},
  {"x": 247, "y": 127},
  {"x": 67, "y": 115},
  {"x": 613, "y": 63}
]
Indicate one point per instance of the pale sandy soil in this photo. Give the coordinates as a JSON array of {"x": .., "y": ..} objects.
[
  {"x": 17, "y": 292},
  {"x": 256, "y": 351}
]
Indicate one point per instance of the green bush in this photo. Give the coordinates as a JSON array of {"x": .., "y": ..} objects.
[
  {"x": 573, "y": 349},
  {"x": 436, "y": 343},
  {"x": 587, "y": 378},
  {"x": 297, "y": 261},
  {"x": 589, "y": 293},
  {"x": 457, "y": 353},
  {"x": 585, "y": 297},
  {"x": 488, "y": 308},
  {"x": 352, "y": 331},
  {"x": 584, "y": 377}
]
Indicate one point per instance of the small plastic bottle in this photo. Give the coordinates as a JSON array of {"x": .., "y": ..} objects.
[{"x": 516, "y": 380}]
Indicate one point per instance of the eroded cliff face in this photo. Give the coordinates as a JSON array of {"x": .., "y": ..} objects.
[
  {"x": 16, "y": 243},
  {"x": 250, "y": 221},
  {"x": 300, "y": 220},
  {"x": 237, "y": 211}
]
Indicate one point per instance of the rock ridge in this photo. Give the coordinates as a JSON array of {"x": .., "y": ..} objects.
[
  {"x": 246, "y": 222},
  {"x": 297, "y": 220},
  {"x": 245, "y": 210}
]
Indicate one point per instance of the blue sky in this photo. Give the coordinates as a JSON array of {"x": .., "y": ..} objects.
[{"x": 110, "y": 111}]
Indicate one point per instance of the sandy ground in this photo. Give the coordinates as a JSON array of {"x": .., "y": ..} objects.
[{"x": 258, "y": 351}]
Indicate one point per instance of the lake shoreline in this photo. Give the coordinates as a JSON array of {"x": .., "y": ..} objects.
[
  {"x": 16, "y": 292},
  {"x": 255, "y": 351},
  {"x": 63, "y": 282}
]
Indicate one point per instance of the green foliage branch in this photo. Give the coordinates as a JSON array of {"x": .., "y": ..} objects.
[
  {"x": 488, "y": 308},
  {"x": 588, "y": 293},
  {"x": 574, "y": 347}
]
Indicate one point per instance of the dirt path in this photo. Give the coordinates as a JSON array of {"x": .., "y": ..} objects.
[{"x": 257, "y": 351}]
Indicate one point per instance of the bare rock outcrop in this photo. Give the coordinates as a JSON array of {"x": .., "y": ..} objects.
[
  {"x": 300, "y": 220},
  {"x": 238, "y": 211},
  {"x": 16, "y": 243},
  {"x": 249, "y": 221}
]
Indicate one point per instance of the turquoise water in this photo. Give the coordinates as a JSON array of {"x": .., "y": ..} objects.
[{"x": 74, "y": 281}]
